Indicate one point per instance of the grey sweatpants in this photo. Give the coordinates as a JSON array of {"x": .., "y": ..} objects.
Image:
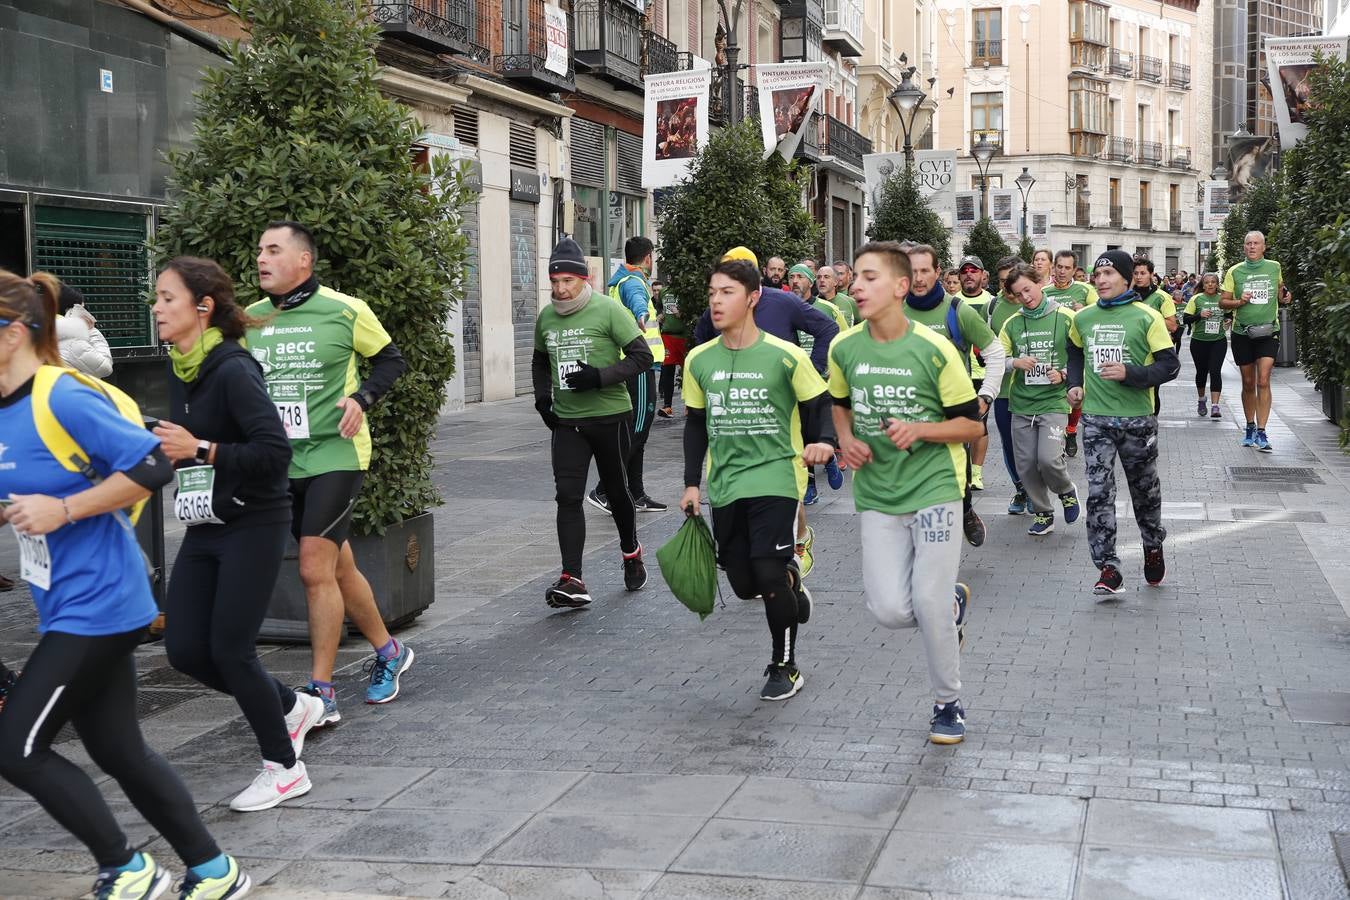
[
  {"x": 1134, "y": 439},
  {"x": 910, "y": 565},
  {"x": 1038, "y": 448}
]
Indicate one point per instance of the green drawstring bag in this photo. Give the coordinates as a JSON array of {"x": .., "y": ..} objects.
[{"x": 689, "y": 565}]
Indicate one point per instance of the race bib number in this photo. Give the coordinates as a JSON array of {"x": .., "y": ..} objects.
[
  {"x": 294, "y": 418},
  {"x": 35, "y": 559},
  {"x": 193, "y": 502},
  {"x": 1260, "y": 294},
  {"x": 1212, "y": 325},
  {"x": 1108, "y": 353},
  {"x": 1039, "y": 374},
  {"x": 565, "y": 369}
]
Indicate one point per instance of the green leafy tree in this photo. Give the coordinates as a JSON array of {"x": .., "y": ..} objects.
[
  {"x": 733, "y": 197},
  {"x": 1312, "y": 232},
  {"x": 986, "y": 243},
  {"x": 903, "y": 214},
  {"x": 296, "y": 128},
  {"x": 1255, "y": 212},
  {"x": 1026, "y": 250}
]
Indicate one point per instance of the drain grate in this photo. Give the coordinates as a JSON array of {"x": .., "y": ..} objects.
[
  {"x": 1270, "y": 487},
  {"x": 1317, "y": 707},
  {"x": 1275, "y": 473},
  {"x": 1341, "y": 841},
  {"x": 1279, "y": 515}
]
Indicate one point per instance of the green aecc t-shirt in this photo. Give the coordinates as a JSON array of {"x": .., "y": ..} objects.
[{"x": 595, "y": 335}]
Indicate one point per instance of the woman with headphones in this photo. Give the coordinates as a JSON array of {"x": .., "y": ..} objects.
[
  {"x": 231, "y": 455},
  {"x": 79, "y": 555}
]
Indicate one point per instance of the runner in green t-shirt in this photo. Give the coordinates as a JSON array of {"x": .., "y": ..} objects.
[
  {"x": 1209, "y": 343},
  {"x": 1120, "y": 354},
  {"x": 309, "y": 343},
  {"x": 1255, "y": 289},
  {"x": 1158, "y": 299},
  {"x": 757, "y": 411},
  {"x": 999, "y": 311},
  {"x": 971, "y": 278},
  {"x": 586, "y": 347},
  {"x": 928, "y": 304},
  {"x": 1036, "y": 341},
  {"x": 904, "y": 405},
  {"x": 1066, "y": 289}
]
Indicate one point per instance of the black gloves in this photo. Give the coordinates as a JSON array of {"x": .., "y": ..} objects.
[
  {"x": 585, "y": 378},
  {"x": 544, "y": 406}
]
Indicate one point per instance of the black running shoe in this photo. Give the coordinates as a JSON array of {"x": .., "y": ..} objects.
[
  {"x": 634, "y": 571},
  {"x": 973, "y": 526},
  {"x": 6, "y": 584},
  {"x": 599, "y": 501},
  {"x": 1109, "y": 581},
  {"x": 1071, "y": 444},
  {"x": 647, "y": 504},
  {"x": 784, "y": 681},
  {"x": 7, "y": 682},
  {"x": 1154, "y": 566},
  {"x": 567, "y": 593},
  {"x": 804, "y": 600},
  {"x": 960, "y": 605}
]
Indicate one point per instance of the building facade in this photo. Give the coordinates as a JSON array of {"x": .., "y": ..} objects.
[
  {"x": 1102, "y": 104},
  {"x": 1336, "y": 18}
]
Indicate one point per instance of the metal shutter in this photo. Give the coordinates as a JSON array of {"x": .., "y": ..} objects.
[
  {"x": 471, "y": 311},
  {"x": 588, "y": 153},
  {"x": 629, "y": 163},
  {"x": 524, "y": 288}
]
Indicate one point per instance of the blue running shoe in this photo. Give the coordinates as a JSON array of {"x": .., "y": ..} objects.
[
  {"x": 384, "y": 675},
  {"x": 1071, "y": 507},
  {"x": 330, "y": 710},
  {"x": 1262, "y": 442},
  {"x": 811, "y": 495},
  {"x": 949, "y": 723},
  {"x": 1250, "y": 439},
  {"x": 1018, "y": 505},
  {"x": 1043, "y": 524},
  {"x": 835, "y": 476}
]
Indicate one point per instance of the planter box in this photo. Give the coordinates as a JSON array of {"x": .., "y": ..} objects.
[
  {"x": 1333, "y": 402},
  {"x": 401, "y": 569}
]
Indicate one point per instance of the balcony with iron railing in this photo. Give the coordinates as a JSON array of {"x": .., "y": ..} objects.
[
  {"x": 524, "y": 55},
  {"x": 1150, "y": 69},
  {"x": 1117, "y": 217},
  {"x": 1179, "y": 76},
  {"x": 844, "y": 27},
  {"x": 1082, "y": 212},
  {"x": 992, "y": 135},
  {"x": 609, "y": 41},
  {"x": 1150, "y": 153},
  {"x": 1145, "y": 219},
  {"x": 658, "y": 54},
  {"x": 986, "y": 53},
  {"x": 1179, "y": 158},
  {"x": 1174, "y": 220},
  {"x": 841, "y": 142},
  {"x": 1120, "y": 149},
  {"x": 441, "y": 26},
  {"x": 721, "y": 95},
  {"x": 1122, "y": 62}
]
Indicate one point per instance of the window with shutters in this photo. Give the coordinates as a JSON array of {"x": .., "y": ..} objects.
[
  {"x": 628, "y": 158},
  {"x": 523, "y": 152},
  {"x": 588, "y": 153},
  {"x": 466, "y": 125}
]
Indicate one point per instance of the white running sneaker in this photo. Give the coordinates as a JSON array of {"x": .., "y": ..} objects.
[
  {"x": 274, "y": 784},
  {"x": 307, "y": 713}
]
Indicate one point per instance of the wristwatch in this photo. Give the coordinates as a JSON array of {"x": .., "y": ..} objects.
[{"x": 203, "y": 451}]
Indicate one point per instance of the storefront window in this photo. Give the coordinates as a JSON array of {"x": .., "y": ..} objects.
[{"x": 625, "y": 221}]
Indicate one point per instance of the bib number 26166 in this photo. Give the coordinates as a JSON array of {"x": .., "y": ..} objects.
[{"x": 294, "y": 418}]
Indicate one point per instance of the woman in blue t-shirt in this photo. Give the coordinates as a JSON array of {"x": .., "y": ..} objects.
[{"x": 88, "y": 580}]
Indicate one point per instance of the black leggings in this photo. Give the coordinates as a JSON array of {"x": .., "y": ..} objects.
[
  {"x": 217, "y": 598},
  {"x": 667, "y": 381},
  {"x": 573, "y": 448},
  {"x": 767, "y": 577},
  {"x": 91, "y": 681},
  {"x": 1209, "y": 357},
  {"x": 642, "y": 391}
]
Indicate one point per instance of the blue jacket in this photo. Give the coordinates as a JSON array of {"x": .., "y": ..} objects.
[
  {"x": 635, "y": 293},
  {"x": 782, "y": 314}
]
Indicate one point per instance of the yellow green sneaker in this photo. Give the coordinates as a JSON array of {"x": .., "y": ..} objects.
[
  {"x": 234, "y": 883},
  {"x": 146, "y": 883}
]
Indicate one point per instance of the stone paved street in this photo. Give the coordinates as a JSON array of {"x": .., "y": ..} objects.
[{"x": 1188, "y": 741}]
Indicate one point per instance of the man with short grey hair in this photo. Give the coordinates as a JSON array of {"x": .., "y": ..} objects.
[{"x": 1249, "y": 287}]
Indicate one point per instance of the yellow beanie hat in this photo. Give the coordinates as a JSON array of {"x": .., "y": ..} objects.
[{"x": 744, "y": 253}]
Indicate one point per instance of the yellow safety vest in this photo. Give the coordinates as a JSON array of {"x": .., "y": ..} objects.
[{"x": 653, "y": 332}]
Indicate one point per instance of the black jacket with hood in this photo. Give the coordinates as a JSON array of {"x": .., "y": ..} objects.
[{"x": 227, "y": 404}]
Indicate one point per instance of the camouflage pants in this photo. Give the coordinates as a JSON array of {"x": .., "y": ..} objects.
[{"x": 1135, "y": 440}]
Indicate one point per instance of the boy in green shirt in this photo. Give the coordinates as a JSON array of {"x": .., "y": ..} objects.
[
  {"x": 1248, "y": 288},
  {"x": 757, "y": 412},
  {"x": 904, "y": 406},
  {"x": 1120, "y": 354},
  {"x": 1036, "y": 341},
  {"x": 585, "y": 349}
]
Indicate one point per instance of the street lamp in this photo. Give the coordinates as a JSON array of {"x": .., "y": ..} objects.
[
  {"x": 983, "y": 151},
  {"x": 1025, "y": 182},
  {"x": 732, "y": 96},
  {"x": 907, "y": 98}
]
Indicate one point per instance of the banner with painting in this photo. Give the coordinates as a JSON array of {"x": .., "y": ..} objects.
[
  {"x": 1002, "y": 202},
  {"x": 1215, "y": 207},
  {"x": 1038, "y": 227},
  {"x": 789, "y": 94},
  {"x": 934, "y": 169},
  {"x": 674, "y": 124},
  {"x": 1290, "y": 62},
  {"x": 967, "y": 211}
]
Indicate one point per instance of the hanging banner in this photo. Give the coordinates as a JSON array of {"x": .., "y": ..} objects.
[
  {"x": 967, "y": 210},
  {"x": 555, "y": 37},
  {"x": 1290, "y": 62},
  {"x": 1001, "y": 204},
  {"x": 877, "y": 167},
  {"x": 1038, "y": 227},
  {"x": 674, "y": 124},
  {"x": 937, "y": 181},
  {"x": 788, "y": 95},
  {"x": 1214, "y": 209}
]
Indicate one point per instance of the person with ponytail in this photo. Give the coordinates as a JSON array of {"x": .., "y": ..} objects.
[
  {"x": 88, "y": 580},
  {"x": 231, "y": 455}
]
